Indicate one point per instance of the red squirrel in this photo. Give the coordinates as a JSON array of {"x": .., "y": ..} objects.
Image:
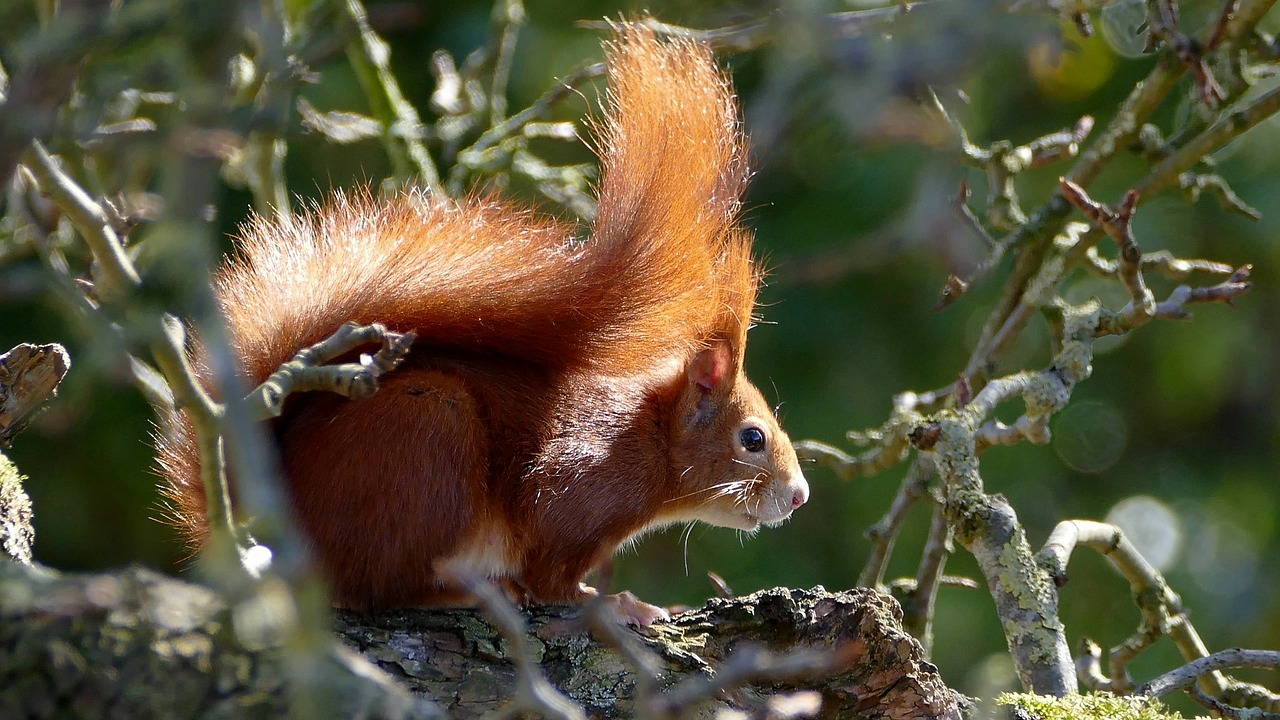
[{"x": 562, "y": 396}]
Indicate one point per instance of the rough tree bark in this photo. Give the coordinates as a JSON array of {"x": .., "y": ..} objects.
[{"x": 137, "y": 644}]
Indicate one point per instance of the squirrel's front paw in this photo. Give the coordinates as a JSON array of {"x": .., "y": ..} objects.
[{"x": 631, "y": 610}]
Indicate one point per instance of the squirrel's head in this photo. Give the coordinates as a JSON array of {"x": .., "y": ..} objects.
[{"x": 735, "y": 466}]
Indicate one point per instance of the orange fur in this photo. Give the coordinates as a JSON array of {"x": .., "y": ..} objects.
[{"x": 560, "y": 398}]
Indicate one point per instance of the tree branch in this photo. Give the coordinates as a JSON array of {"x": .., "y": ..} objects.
[
  {"x": 1189, "y": 676},
  {"x": 878, "y": 671},
  {"x": 1161, "y": 608}
]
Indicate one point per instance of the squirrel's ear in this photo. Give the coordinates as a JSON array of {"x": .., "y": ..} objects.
[
  {"x": 710, "y": 375},
  {"x": 711, "y": 367}
]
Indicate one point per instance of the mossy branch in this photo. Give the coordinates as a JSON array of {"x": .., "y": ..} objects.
[
  {"x": 954, "y": 436},
  {"x": 1162, "y": 611},
  {"x": 1162, "y": 616}
]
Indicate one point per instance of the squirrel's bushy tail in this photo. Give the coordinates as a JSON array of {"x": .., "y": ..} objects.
[
  {"x": 666, "y": 265},
  {"x": 674, "y": 167}
]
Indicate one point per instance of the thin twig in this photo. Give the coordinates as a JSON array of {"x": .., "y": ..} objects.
[
  {"x": 119, "y": 277},
  {"x": 370, "y": 57},
  {"x": 265, "y": 149},
  {"x": 1164, "y": 26},
  {"x": 1161, "y": 608},
  {"x": 513, "y": 125},
  {"x": 1175, "y": 306},
  {"x": 1118, "y": 225},
  {"x": 883, "y": 534},
  {"x": 534, "y": 693},
  {"x": 917, "y": 614},
  {"x": 1189, "y": 675},
  {"x": 1226, "y": 129},
  {"x": 119, "y": 280},
  {"x": 508, "y": 17},
  {"x": 307, "y": 370},
  {"x": 1161, "y": 261},
  {"x": 891, "y": 452},
  {"x": 1089, "y": 667}
]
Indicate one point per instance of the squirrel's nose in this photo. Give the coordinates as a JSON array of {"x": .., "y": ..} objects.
[{"x": 801, "y": 495}]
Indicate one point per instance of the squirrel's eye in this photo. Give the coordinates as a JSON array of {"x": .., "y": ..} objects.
[{"x": 752, "y": 439}]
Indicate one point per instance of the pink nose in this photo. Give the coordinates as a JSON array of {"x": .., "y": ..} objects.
[{"x": 800, "y": 497}]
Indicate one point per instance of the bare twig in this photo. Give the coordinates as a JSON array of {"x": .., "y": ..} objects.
[
  {"x": 1089, "y": 667},
  {"x": 1161, "y": 608},
  {"x": 1226, "y": 129},
  {"x": 119, "y": 278},
  {"x": 307, "y": 370},
  {"x": 1161, "y": 261},
  {"x": 962, "y": 205},
  {"x": 264, "y": 152},
  {"x": 1118, "y": 225},
  {"x": 370, "y": 57},
  {"x": 1193, "y": 184},
  {"x": 1025, "y": 296},
  {"x": 1164, "y": 27},
  {"x": 1190, "y": 678},
  {"x": 892, "y": 452},
  {"x": 883, "y": 534},
  {"x": 508, "y": 18},
  {"x": 1003, "y": 162},
  {"x": 1175, "y": 307},
  {"x": 995, "y": 432},
  {"x": 534, "y": 694},
  {"x": 474, "y": 155},
  {"x": 917, "y": 613}
]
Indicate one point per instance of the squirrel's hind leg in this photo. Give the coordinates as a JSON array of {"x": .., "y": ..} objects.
[{"x": 387, "y": 486}]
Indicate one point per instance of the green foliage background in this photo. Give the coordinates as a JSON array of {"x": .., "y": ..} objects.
[{"x": 851, "y": 206}]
